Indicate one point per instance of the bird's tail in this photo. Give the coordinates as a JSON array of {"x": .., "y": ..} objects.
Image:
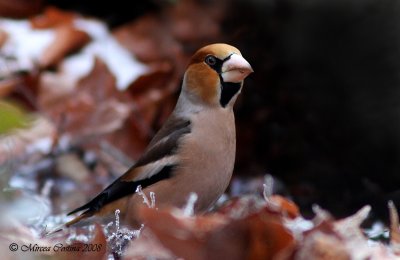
[{"x": 64, "y": 226}]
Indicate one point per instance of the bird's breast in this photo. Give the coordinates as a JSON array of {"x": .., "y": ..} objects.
[{"x": 208, "y": 155}]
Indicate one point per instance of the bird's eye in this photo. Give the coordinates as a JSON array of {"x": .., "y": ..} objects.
[{"x": 211, "y": 60}]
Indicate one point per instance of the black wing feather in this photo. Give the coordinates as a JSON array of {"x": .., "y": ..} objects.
[{"x": 119, "y": 189}]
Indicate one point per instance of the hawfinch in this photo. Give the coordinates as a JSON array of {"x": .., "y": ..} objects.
[{"x": 195, "y": 149}]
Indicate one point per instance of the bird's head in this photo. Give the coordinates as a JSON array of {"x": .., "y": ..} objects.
[{"x": 215, "y": 75}]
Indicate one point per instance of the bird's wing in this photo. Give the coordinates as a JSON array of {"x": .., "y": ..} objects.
[{"x": 156, "y": 164}]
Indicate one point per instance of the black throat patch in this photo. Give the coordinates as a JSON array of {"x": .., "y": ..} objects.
[{"x": 228, "y": 90}]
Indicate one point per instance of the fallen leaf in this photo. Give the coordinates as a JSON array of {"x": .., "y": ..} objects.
[
  {"x": 322, "y": 245},
  {"x": 20, "y": 8},
  {"x": 3, "y": 37},
  {"x": 394, "y": 228},
  {"x": 8, "y": 85},
  {"x": 52, "y": 17},
  {"x": 93, "y": 108},
  {"x": 147, "y": 246},
  {"x": 193, "y": 22},
  {"x": 36, "y": 137},
  {"x": 284, "y": 206},
  {"x": 67, "y": 40},
  {"x": 214, "y": 236},
  {"x": 71, "y": 166},
  {"x": 143, "y": 36},
  {"x": 184, "y": 236},
  {"x": 258, "y": 236}
]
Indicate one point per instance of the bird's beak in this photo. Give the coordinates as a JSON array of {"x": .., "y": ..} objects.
[{"x": 235, "y": 69}]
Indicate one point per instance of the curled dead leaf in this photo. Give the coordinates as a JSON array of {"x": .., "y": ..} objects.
[
  {"x": 394, "y": 228},
  {"x": 322, "y": 245},
  {"x": 214, "y": 236},
  {"x": 94, "y": 107},
  {"x": 52, "y": 17},
  {"x": 285, "y": 206},
  {"x": 194, "y": 22},
  {"x": 143, "y": 36},
  {"x": 67, "y": 40},
  {"x": 258, "y": 236},
  {"x": 36, "y": 137},
  {"x": 8, "y": 85},
  {"x": 184, "y": 236},
  {"x": 3, "y": 37},
  {"x": 20, "y": 8},
  {"x": 147, "y": 246}
]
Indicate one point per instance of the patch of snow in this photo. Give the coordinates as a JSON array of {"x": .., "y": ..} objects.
[
  {"x": 42, "y": 145},
  {"x": 150, "y": 203},
  {"x": 29, "y": 209},
  {"x": 25, "y": 43},
  {"x": 121, "y": 236},
  {"x": 377, "y": 229},
  {"x": 121, "y": 63},
  {"x": 20, "y": 181},
  {"x": 298, "y": 226},
  {"x": 188, "y": 210}
]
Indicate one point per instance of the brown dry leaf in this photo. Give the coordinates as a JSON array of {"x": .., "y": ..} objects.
[
  {"x": 349, "y": 228},
  {"x": 394, "y": 228},
  {"x": 20, "y": 8},
  {"x": 285, "y": 206},
  {"x": 241, "y": 207},
  {"x": 52, "y": 17},
  {"x": 132, "y": 137},
  {"x": 143, "y": 36},
  {"x": 152, "y": 92},
  {"x": 8, "y": 85},
  {"x": 195, "y": 22},
  {"x": 342, "y": 239},
  {"x": 94, "y": 107},
  {"x": 71, "y": 166},
  {"x": 67, "y": 40},
  {"x": 3, "y": 37},
  {"x": 38, "y": 137},
  {"x": 184, "y": 236},
  {"x": 321, "y": 243},
  {"x": 147, "y": 246},
  {"x": 258, "y": 236},
  {"x": 181, "y": 28},
  {"x": 152, "y": 102}
]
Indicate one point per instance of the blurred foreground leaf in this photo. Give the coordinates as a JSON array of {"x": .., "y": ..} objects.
[{"x": 11, "y": 116}]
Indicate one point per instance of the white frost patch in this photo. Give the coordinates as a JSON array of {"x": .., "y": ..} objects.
[
  {"x": 188, "y": 210},
  {"x": 298, "y": 226},
  {"x": 378, "y": 229},
  {"x": 28, "y": 208},
  {"x": 121, "y": 63},
  {"x": 76, "y": 67},
  {"x": 121, "y": 236},
  {"x": 150, "y": 203},
  {"x": 42, "y": 145},
  {"x": 95, "y": 29},
  {"x": 25, "y": 43}
]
